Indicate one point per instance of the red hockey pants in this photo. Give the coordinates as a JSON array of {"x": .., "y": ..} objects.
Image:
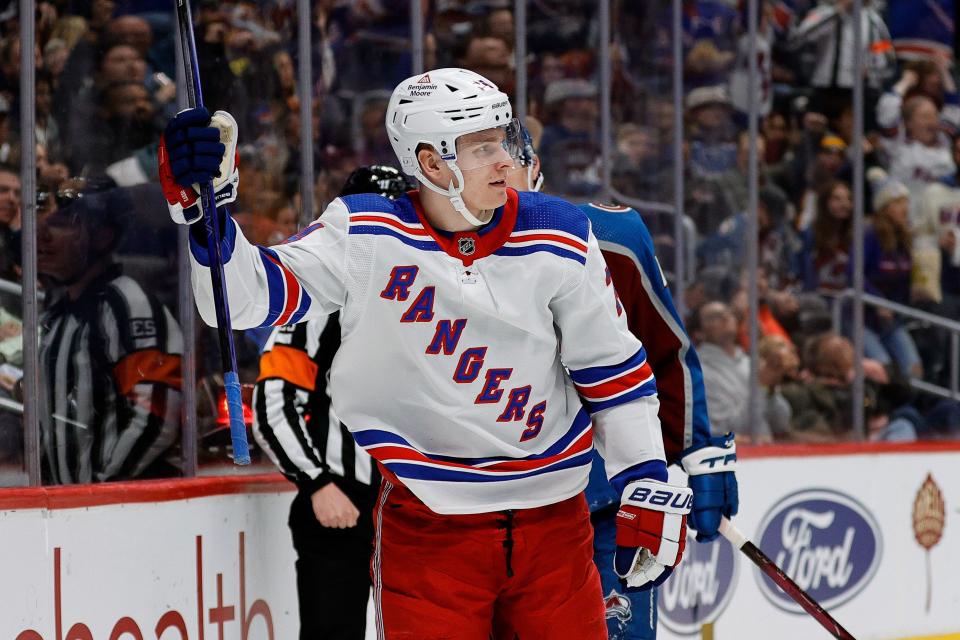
[{"x": 525, "y": 573}]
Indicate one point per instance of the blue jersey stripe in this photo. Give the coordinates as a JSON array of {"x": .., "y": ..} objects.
[
  {"x": 540, "y": 212},
  {"x": 535, "y": 248},
  {"x": 644, "y": 390},
  {"x": 372, "y": 437},
  {"x": 423, "y": 245},
  {"x": 421, "y": 472},
  {"x": 593, "y": 375},
  {"x": 301, "y": 311},
  {"x": 275, "y": 285}
]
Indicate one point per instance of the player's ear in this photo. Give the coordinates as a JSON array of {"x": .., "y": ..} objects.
[{"x": 431, "y": 164}]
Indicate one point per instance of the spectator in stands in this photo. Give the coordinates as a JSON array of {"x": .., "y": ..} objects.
[
  {"x": 827, "y": 163},
  {"x": 932, "y": 81},
  {"x": 824, "y": 257},
  {"x": 499, "y": 22},
  {"x": 570, "y": 146},
  {"x": 728, "y": 245},
  {"x": 710, "y": 29},
  {"x": 109, "y": 352},
  {"x": 285, "y": 82},
  {"x": 11, "y": 356},
  {"x": 726, "y": 374},
  {"x": 761, "y": 47},
  {"x": 939, "y": 222},
  {"x": 49, "y": 174},
  {"x": 711, "y": 130},
  {"x": 917, "y": 148},
  {"x": 639, "y": 169},
  {"x": 775, "y": 307},
  {"x": 887, "y": 268},
  {"x": 127, "y": 123},
  {"x": 9, "y": 200},
  {"x": 821, "y": 398},
  {"x": 490, "y": 56},
  {"x": 115, "y": 64},
  {"x": 48, "y": 131},
  {"x": 376, "y": 147}
]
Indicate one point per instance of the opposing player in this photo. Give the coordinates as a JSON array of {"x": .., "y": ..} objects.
[
  {"x": 331, "y": 518},
  {"x": 479, "y": 337},
  {"x": 642, "y": 295}
]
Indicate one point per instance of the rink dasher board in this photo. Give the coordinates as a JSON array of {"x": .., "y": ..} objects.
[
  {"x": 816, "y": 514},
  {"x": 151, "y": 555},
  {"x": 166, "y": 566}
]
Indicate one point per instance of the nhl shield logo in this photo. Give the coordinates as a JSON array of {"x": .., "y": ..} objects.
[{"x": 466, "y": 246}]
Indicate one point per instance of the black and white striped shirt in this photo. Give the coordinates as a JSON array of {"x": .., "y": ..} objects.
[
  {"x": 293, "y": 419},
  {"x": 110, "y": 382}
]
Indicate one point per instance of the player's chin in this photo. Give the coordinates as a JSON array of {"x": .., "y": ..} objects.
[{"x": 496, "y": 191}]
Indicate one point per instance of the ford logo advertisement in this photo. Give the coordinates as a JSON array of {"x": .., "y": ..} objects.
[
  {"x": 827, "y": 542},
  {"x": 700, "y": 587}
]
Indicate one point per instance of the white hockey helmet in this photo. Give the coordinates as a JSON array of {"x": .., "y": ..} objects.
[{"x": 436, "y": 108}]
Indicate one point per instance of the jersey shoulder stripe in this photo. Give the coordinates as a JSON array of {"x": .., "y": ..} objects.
[
  {"x": 548, "y": 214},
  {"x": 550, "y": 225}
]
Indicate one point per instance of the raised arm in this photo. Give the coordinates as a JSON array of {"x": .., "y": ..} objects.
[{"x": 288, "y": 283}]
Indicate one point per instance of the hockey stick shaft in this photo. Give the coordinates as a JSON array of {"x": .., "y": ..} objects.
[
  {"x": 228, "y": 356},
  {"x": 775, "y": 573}
]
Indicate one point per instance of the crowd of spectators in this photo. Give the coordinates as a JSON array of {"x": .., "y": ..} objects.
[
  {"x": 104, "y": 90},
  {"x": 806, "y": 61}
]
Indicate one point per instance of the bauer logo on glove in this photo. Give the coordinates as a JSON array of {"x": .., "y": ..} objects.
[
  {"x": 651, "y": 532},
  {"x": 195, "y": 149}
]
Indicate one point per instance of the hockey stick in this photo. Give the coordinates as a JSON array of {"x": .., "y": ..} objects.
[
  {"x": 228, "y": 356},
  {"x": 775, "y": 573}
]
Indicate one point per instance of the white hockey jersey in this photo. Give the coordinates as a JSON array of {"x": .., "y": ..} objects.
[{"x": 470, "y": 363}]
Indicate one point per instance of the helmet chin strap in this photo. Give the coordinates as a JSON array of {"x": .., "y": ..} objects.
[
  {"x": 453, "y": 192},
  {"x": 534, "y": 186}
]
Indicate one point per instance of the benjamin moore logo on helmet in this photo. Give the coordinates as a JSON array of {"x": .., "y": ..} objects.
[
  {"x": 422, "y": 87},
  {"x": 826, "y": 541},
  {"x": 700, "y": 588}
]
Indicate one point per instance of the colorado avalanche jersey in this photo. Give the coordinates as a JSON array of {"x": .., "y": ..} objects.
[
  {"x": 643, "y": 295},
  {"x": 471, "y": 363}
]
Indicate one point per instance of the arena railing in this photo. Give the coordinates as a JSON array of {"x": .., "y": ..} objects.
[{"x": 839, "y": 300}]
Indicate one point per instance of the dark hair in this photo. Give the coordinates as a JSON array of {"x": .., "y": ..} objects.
[{"x": 829, "y": 233}]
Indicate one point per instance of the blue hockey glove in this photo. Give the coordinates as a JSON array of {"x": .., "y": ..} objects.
[
  {"x": 651, "y": 532},
  {"x": 196, "y": 149},
  {"x": 711, "y": 466}
]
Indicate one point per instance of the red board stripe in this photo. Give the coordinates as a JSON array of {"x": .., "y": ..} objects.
[{"x": 94, "y": 495}]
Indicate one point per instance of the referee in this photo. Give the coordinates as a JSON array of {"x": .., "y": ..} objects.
[
  {"x": 331, "y": 516},
  {"x": 110, "y": 352}
]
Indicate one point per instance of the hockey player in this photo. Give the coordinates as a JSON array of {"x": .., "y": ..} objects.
[
  {"x": 331, "y": 516},
  {"x": 479, "y": 337},
  {"x": 643, "y": 296}
]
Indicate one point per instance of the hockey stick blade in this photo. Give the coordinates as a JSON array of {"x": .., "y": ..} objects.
[
  {"x": 775, "y": 573},
  {"x": 238, "y": 430}
]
